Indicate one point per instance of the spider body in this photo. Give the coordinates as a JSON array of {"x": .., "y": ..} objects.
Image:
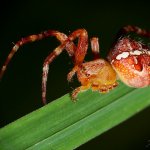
[{"x": 129, "y": 59}]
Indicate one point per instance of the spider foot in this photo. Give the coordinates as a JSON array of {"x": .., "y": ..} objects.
[{"x": 77, "y": 91}]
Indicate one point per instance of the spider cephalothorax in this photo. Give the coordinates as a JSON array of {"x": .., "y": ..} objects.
[
  {"x": 129, "y": 58},
  {"x": 97, "y": 74}
]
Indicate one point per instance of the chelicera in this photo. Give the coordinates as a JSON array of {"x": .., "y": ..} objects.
[{"x": 128, "y": 59}]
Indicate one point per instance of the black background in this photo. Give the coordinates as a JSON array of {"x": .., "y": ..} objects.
[{"x": 20, "y": 89}]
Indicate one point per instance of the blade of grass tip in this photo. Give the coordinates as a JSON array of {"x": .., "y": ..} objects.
[{"x": 97, "y": 123}]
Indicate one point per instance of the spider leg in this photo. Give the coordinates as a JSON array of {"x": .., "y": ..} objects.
[
  {"x": 137, "y": 30},
  {"x": 80, "y": 50},
  {"x": 79, "y": 53},
  {"x": 82, "y": 45},
  {"x": 32, "y": 38},
  {"x": 95, "y": 47},
  {"x": 78, "y": 90},
  {"x": 95, "y": 51},
  {"x": 72, "y": 73},
  {"x": 57, "y": 51}
]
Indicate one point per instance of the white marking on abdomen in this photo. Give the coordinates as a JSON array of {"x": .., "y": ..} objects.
[
  {"x": 136, "y": 52},
  {"x": 131, "y": 53},
  {"x": 122, "y": 55}
]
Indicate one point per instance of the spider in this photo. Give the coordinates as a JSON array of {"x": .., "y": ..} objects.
[{"x": 128, "y": 59}]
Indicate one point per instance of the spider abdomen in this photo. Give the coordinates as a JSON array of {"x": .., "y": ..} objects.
[{"x": 131, "y": 61}]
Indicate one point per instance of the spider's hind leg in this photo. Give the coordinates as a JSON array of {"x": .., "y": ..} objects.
[{"x": 137, "y": 30}]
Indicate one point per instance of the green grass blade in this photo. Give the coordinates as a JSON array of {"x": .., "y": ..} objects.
[{"x": 64, "y": 125}]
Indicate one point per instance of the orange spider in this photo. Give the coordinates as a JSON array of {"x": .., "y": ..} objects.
[{"x": 128, "y": 58}]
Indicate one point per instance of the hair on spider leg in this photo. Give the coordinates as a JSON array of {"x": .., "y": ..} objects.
[{"x": 13, "y": 43}]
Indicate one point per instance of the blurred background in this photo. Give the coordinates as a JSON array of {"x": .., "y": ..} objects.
[{"x": 20, "y": 88}]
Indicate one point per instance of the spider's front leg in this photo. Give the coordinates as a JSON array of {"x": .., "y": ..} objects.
[
  {"x": 80, "y": 51},
  {"x": 32, "y": 38},
  {"x": 69, "y": 46}
]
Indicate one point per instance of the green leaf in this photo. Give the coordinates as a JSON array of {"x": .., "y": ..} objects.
[{"x": 64, "y": 125}]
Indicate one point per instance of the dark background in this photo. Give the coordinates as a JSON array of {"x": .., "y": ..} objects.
[{"x": 20, "y": 89}]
